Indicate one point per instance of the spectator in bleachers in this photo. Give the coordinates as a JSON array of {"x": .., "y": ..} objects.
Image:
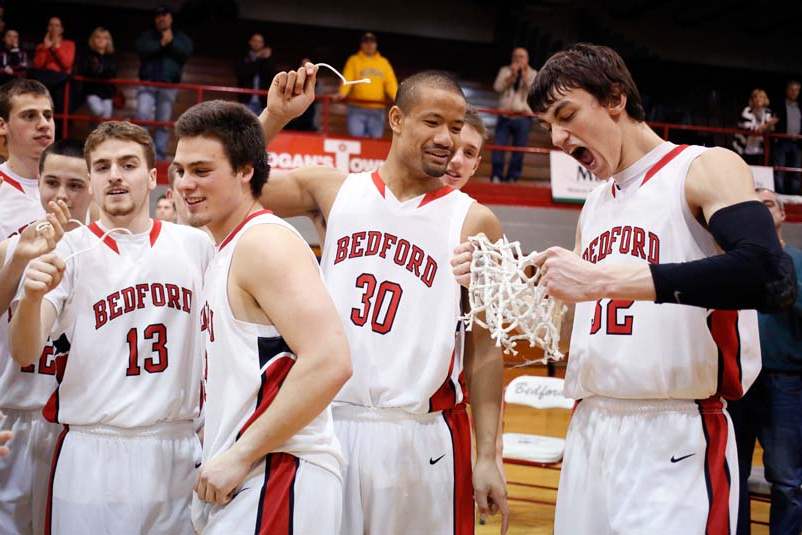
[
  {"x": 512, "y": 84},
  {"x": 787, "y": 151},
  {"x": 771, "y": 411},
  {"x": 756, "y": 117},
  {"x": 55, "y": 53},
  {"x": 99, "y": 63},
  {"x": 13, "y": 60},
  {"x": 165, "y": 209},
  {"x": 256, "y": 71},
  {"x": 306, "y": 121},
  {"x": 162, "y": 54},
  {"x": 366, "y": 119}
]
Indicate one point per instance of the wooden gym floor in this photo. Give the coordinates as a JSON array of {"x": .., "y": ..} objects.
[{"x": 534, "y": 519}]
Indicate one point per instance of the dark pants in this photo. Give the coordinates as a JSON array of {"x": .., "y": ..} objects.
[
  {"x": 787, "y": 153},
  {"x": 771, "y": 411},
  {"x": 510, "y": 131}
]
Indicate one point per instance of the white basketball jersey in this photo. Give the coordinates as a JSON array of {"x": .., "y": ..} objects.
[
  {"x": 246, "y": 364},
  {"x": 129, "y": 306},
  {"x": 21, "y": 388},
  {"x": 387, "y": 266},
  {"x": 639, "y": 349}
]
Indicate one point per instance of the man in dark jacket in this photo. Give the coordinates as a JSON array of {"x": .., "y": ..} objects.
[
  {"x": 256, "y": 71},
  {"x": 787, "y": 152},
  {"x": 162, "y": 54}
]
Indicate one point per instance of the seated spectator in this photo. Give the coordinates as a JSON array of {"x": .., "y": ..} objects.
[
  {"x": 512, "y": 84},
  {"x": 306, "y": 121},
  {"x": 756, "y": 117},
  {"x": 256, "y": 71},
  {"x": 165, "y": 209},
  {"x": 55, "y": 53},
  {"x": 366, "y": 118},
  {"x": 99, "y": 63},
  {"x": 13, "y": 60},
  {"x": 162, "y": 55}
]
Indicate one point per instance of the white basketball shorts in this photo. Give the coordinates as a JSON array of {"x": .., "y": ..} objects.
[
  {"x": 123, "y": 481},
  {"x": 283, "y": 495},
  {"x": 407, "y": 474},
  {"x": 634, "y": 467},
  {"x": 24, "y": 474}
]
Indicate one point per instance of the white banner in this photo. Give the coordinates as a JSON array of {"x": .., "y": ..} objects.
[
  {"x": 764, "y": 176},
  {"x": 570, "y": 182}
]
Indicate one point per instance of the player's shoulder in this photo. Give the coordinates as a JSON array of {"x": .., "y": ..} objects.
[
  {"x": 481, "y": 219},
  {"x": 716, "y": 159},
  {"x": 191, "y": 238},
  {"x": 269, "y": 241}
]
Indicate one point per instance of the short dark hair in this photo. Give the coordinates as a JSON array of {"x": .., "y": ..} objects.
[
  {"x": 599, "y": 70},
  {"x": 237, "y": 128},
  {"x": 17, "y": 87},
  {"x": 64, "y": 147},
  {"x": 407, "y": 95},
  {"x": 124, "y": 131},
  {"x": 162, "y": 197}
]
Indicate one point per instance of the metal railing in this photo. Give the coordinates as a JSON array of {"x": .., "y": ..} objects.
[{"x": 201, "y": 91}]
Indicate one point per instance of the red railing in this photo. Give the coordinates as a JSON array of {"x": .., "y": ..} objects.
[{"x": 202, "y": 90}]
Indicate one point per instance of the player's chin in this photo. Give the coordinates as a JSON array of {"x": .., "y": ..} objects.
[{"x": 434, "y": 170}]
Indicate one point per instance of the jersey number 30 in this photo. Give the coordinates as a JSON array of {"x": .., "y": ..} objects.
[
  {"x": 155, "y": 363},
  {"x": 387, "y": 291}
]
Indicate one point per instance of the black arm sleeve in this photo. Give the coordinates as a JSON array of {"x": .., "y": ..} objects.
[{"x": 754, "y": 271}]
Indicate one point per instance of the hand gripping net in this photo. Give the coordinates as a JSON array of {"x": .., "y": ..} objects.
[{"x": 508, "y": 302}]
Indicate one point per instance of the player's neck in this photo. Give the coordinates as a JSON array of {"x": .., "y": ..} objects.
[
  {"x": 638, "y": 141},
  {"x": 135, "y": 222},
  {"x": 404, "y": 184},
  {"x": 24, "y": 167},
  {"x": 222, "y": 228}
]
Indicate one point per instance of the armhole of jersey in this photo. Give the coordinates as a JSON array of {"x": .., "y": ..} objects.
[
  {"x": 337, "y": 198},
  {"x": 281, "y": 223},
  {"x": 697, "y": 230}
]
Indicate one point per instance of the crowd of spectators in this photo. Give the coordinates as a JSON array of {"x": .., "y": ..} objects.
[{"x": 164, "y": 50}]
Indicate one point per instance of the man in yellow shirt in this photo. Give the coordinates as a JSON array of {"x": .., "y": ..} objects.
[{"x": 366, "y": 118}]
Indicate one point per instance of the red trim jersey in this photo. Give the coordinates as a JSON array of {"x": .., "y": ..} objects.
[
  {"x": 130, "y": 307},
  {"x": 639, "y": 349},
  {"x": 386, "y": 264},
  {"x": 28, "y": 388},
  {"x": 247, "y": 363}
]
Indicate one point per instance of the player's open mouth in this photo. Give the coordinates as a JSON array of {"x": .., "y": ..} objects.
[
  {"x": 452, "y": 174},
  {"x": 194, "y": 201},
  {"x": 47, "y": 138},
  {"x": 117, "y": 191},
  {"x": 583, "y": 156}
]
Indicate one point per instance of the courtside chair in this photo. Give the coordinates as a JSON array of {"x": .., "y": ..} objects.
[{"x": 536, "y": 451}]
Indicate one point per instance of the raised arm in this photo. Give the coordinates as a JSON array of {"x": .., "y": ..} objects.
[
  {"x": 290, "y": 292},
  {"x": 306, "y": 191},
  {"x": 34, "y": 316}
]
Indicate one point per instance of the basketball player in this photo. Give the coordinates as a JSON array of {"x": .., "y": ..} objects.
[
  {"x": 125, "y": 462},
  {"x": 468, "y": 156},
  {"x": 665, "y": 253},
  {"x": 389, "y": 238},
  {"x": 271, "y": 461},
  {"x": 26, "y": 121}
]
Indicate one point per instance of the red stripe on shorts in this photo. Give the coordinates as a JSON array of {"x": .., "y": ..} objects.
[
  {"x": 277, "y": 500},
  {"x": 56, "y": 453},
  {"x": 460, "y": 428},
  {"x": 723, "y": 325},
  {"x": 717, "y": 472}
]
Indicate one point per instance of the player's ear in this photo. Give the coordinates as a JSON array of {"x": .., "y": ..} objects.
[
  {"x": 152, "y": 179},
  {"x": 617, "y": 102},
  {"x": 245, "y": 173},
  {"x": 395, "y": 117},
  {"x": 4, "y": 128}
]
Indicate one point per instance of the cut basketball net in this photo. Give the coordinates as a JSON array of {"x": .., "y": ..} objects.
[
  {"x": 45, "y": 226},
  {"x": 508, "y": 302},
  {"x": 341, "y": 77}
]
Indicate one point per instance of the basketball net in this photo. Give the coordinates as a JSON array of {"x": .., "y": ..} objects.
[{"x": 510, "y": 303}]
